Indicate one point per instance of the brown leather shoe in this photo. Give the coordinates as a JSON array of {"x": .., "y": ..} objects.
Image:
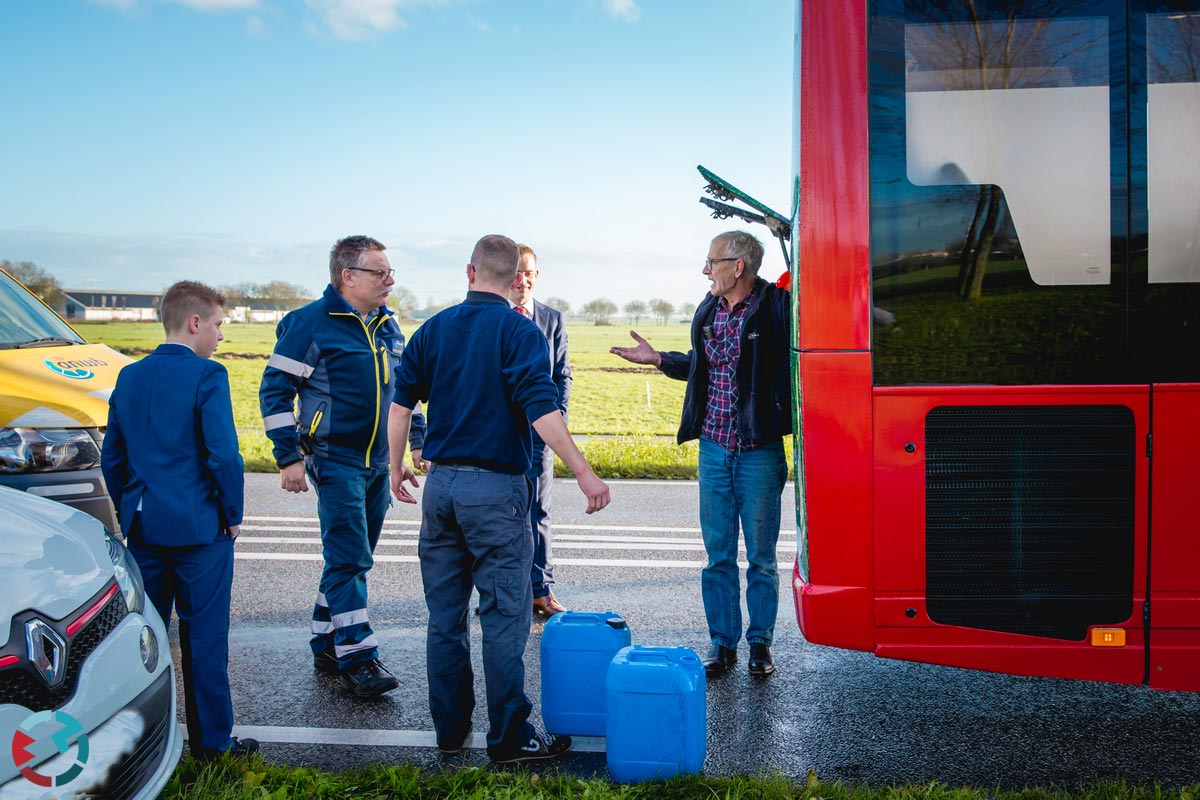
[{"x": 548, "y": 606}]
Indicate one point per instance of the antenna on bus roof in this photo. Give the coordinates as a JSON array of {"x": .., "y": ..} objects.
[{"x": 722, "y": 190}]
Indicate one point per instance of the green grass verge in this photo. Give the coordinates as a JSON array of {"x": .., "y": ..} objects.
[
  {"x": 255, "y": 780},
  {"x": 609, "y": 397},
  {"x": 647, "y": 457}
]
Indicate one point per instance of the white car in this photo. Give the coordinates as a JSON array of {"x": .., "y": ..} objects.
[{"x": 87, "y": 690}]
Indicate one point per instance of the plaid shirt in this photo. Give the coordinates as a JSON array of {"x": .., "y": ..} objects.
[{"x": 722, "y": 349}]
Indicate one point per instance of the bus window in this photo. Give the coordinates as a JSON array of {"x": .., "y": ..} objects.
[
  {"x": 999, "y": 192},
  {"x": 1173, "y": 147},
  {"x": 1020, "y": 105}
]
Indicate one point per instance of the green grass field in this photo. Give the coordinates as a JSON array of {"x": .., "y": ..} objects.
[
  {"x": 255, "y": 780},
  {"x": 609, "y": 397}
]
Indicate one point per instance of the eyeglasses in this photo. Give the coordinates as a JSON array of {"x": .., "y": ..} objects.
[
  {"x": 708, "y": 262},
  {"x": 381, "y": 274}
]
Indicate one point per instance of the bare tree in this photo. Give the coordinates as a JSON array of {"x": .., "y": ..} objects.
[
  {"x": 36, "y": 280},
  {"x": 686, "y": 310},
  {"x": 600, "y": 310},
  {"x": 402, "y": 301},
  {"x": 662, "y": 310},
  {"x": 558, "y": 304},
  {"x": 283, "y": 296},
  {"x": 239, "y": 294},
  {"x": 635, "y": 310}
]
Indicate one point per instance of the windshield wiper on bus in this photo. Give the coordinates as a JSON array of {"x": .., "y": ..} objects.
[{"x": 49, "y": 341}]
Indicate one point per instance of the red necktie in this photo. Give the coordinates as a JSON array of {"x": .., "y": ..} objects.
[{"x": 521, "y": 310}]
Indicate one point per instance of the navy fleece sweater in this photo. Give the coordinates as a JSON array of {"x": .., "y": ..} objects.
[{"x": 485, "y": 373}]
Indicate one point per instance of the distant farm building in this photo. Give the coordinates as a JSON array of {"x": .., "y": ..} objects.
[
  {"x": 92, "y": 305},
  {"x": 107, "y": 305},
  {"x": 254, "y": 313}
]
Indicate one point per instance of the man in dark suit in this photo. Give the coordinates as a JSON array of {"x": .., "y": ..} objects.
[
  {"x": 171, "y": 462},
  {"x": 541, "y": 473}
]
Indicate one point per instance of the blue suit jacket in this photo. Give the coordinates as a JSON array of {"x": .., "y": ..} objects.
[
  {"x": 551, "y": 323},
  {"x": 171, "y": 448}
]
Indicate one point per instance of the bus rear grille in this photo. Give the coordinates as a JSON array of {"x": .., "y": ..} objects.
[{"x": 1029, "y": 517}]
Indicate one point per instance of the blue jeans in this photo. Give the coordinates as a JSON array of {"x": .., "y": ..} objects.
[
  {"x": 351, "y": 504},
  {"x": 745, "y": 487},
  {"x": 475, "y": 533}
]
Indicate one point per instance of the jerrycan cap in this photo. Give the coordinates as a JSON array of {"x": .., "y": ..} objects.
[{"x": 616, "y": 623}]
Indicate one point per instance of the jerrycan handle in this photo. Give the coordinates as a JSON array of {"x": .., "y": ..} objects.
[{"x": 648, "y": 657}]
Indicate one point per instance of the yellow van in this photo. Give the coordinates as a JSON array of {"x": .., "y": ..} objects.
[{"x": 54, "y": 390}]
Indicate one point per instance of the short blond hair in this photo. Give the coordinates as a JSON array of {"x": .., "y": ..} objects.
[
  {"x": 185, "y": 298},
  {"x": 496, "y": 258}
]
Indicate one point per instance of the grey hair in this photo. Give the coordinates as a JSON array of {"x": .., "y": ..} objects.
[
  {"x": 747, "y": 247},
  {"x": 349, "y": 253}
]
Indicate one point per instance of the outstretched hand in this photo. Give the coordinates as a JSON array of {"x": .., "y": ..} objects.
[{"x": 642, "y": 353}]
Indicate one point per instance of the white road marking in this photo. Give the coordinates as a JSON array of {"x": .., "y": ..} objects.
[
  {"x": 395, "y": 536},
  {"x": 389, "y": 524},
  {"x": 642, "y": 544},
  {"x": 378, "y": 737},
  {"x": 565, "y": 562}
]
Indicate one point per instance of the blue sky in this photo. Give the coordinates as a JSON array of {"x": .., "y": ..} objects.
[{"x": 145, "y": 141}]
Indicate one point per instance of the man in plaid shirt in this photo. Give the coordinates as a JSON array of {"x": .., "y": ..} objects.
[{"x": 739, "y": 405}]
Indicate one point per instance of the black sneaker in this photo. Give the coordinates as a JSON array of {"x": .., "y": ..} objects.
[
  {"x": 539, "y": 747},
  {"x": 325, "y": 661},
  {"x": 240, "y": 749},
  {"x": 455, "y": 747},
  {"x": 243, "y": 747},
  {"x": 369, "y": 679}
]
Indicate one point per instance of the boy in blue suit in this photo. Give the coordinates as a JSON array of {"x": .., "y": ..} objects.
[{"x": 171, "y": 462}]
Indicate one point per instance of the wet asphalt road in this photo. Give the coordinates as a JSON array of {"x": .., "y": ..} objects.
[{"x": 846, "y": 715}]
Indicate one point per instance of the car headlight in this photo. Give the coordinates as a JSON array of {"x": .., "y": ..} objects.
[
  {"x": 129, "y": 577},
  {"x": 47, "y": 449}
]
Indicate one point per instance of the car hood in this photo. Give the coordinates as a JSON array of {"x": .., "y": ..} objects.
[
  {"x": 52, "y": 557},
  {"x": 58, "y": 387}
]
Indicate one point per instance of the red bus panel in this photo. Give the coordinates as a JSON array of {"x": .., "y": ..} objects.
[
  {"x": 1175, "y": 540},
  {"x": 833, "y": 232},
  {"x": 834, "y": 606}
]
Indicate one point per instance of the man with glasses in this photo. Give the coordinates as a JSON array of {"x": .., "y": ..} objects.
[
  {"x": 738, "y": 404},
  {"x": 337, "y": 353}
]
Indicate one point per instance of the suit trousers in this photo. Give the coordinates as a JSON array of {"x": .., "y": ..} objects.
[
  {"x": 541, "y": 481},
  {"x": 196, "y": 582}
]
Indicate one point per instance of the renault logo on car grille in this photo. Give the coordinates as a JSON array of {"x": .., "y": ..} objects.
[{"x": 47, "y": 651}]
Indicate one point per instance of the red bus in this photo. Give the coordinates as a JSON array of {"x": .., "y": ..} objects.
[{"x": 996, "y": 239}]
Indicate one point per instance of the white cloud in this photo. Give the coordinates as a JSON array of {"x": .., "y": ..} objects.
[
  {"x": 346, "y": 19},
  {"x": 198, "y": 5},
  {"x": 218, "y": 5},
  {"x": 354, "y": 19},
  {"x": 623, "y": 9}
]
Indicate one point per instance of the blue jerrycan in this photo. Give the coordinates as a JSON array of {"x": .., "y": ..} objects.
[
  {"x": 577, "y": 647},
  {"x": 656, "y": 713}
]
